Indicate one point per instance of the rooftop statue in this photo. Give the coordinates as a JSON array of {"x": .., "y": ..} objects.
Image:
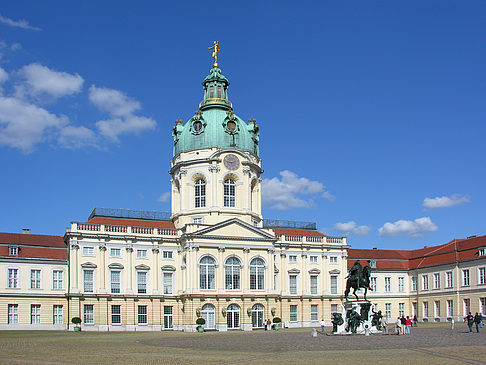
[
  {"x": 215, "y": 49},
  {"x": 358, "y": 278}
]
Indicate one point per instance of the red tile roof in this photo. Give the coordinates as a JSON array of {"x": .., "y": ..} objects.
[
  {"x": 298, "y": 232},
  {"x": 32, "y": 239},
  {"x": 34, "y": 246},
  {"x": 131, "y": 222}
]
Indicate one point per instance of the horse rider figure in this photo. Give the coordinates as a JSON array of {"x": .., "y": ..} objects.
[
  {"x": 358, "y": 277},
  {"x": 356, "y": 273}
]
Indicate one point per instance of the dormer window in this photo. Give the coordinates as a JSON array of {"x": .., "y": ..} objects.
[
  {"x": 372, "y": 264},
  {"x": 13, "y": 251},
  {"x": 482, "y": 251}
]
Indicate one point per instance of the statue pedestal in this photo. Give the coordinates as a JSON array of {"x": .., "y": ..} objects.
[{"x": 357, "y": 317}]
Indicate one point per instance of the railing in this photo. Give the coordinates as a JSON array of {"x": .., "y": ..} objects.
[
  {"x": 334, "y": 240},
  {"x": 142, "y": 230},
  {"x": 293, "y": 238},
  {"x": 118, "y": 229},
  {"x": 313, "y": 239},
  {"x": 167, "y": 231},
  {"x": 125, "y": 229},
  {"x": 88, "y": 227},
  {"x": 127, "y": 213},
  {"x": 277, "y": 223}
]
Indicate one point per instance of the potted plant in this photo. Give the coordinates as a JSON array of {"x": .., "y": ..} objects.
[
  {"x": 200, "y": 322},
  {"x": 277, "y": 322},
  {"x": 76, "y": 321}
]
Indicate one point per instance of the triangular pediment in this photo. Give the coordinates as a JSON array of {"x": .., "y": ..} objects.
[{"x": 234, "y": 229}]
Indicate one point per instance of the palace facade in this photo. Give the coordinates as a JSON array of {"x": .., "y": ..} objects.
[{"x": 215, "y": 256}]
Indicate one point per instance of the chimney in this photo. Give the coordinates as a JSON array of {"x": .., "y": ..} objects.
[{"x": 25, "y": 230}]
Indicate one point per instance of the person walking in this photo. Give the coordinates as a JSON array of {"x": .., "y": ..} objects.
[
  {"x": 469, "y": 319},
  {"x": 323, "y": 325},
  {"x": 408, "y": 323},
  {"x": 415, "y": 320},
  {"x": 477, "y": 321}
]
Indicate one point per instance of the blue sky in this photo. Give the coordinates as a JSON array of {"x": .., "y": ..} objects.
[{"x": 371, "y": 112}]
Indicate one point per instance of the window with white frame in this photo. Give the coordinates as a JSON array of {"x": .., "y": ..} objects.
[
  {"x": 115, "y": 252},
  {"x": 13, "y": 313},
  {"x": 116, "y": 314},
  {"x": 167, "y": 255},
  {"x": 482, "y": 275},
  {"x": 115, "y": 281},
  {"x": 401, "y": 284},
  {"x": 334, "y": 308},
  {"x": 413, "y": 282},
  {"x": 13, "y": 278},
  {"x": 449, "y": 279},
  {"x": 401, "y": 309},
  {"x": 200, "y": 193},
  {"x": 373, "y": 284},
  {"x": 465, "y": 277},
  {"x": 57, "y": 279},
  {"x": 13, "y": 251},
  {"x": 313, "y": 259},
  {"x": 293, "y": 313},
  {"x": 141, "y": 254},
  {"x": 372, "y": 264},
  {"x": 388, "y": 310},
  {"x": 314, "y": 280},
  {"x": 88, "y": 251},
  {"x": 207, "y": 269},
  {"x": 229, "y": 193},
  {"x": 35, "y": 313},
  {"x": 88, "y": 281},
  {"x": 334, "y": 284},
  {"x": 387, "y": 284},
  {"x": 482, "y": 304},
  {"x": 35, "y": 279},
  {"x": 293, "y": 284},
  {"x": 467, "y": 306},
  {"x": 142, "y": 314},
  {"x": 425, "y": 282},
  {"x": 257, "y": 274},
  {"x": 57, "y": 314},
  {"x": 142, "y": 282},
  {"x": 436, "y": 280},
  {"x": 425, "y": 309},
  {"x": 232, "y": 273},
  {"x": 88, "y": 314},
  {"x": 168, "y": 317},
  {"x": 167, "y": 282},
  {"x": 314, "y": 312},
  {"x": 450, "y": 308},
  {"x": 437, "y": 309},
  {"x": 197, "y": 220},
  {"x": 292, "y": 259},
  {"x": 482, "y": 251},
  {"x": 333, "y": 259},
  {"x": 254, "y": 222}
]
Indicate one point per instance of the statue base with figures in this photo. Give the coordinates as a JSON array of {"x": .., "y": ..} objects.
[{"x": 357, "y": 317}]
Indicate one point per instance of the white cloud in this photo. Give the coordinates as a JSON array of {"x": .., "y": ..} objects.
[
  {"x": 444, "y": 201},
  {"x": 112, "y": 101},
  {"x": 77, "y": 137},
  {"x": 286, "y": 193},
  {"x": 24, "y": 24},
  {"x": 112, "y": 128},
  {"x": 23, "y": 125},
  {"x": 412, "y": 228},
  {"x": 165, "y": 197},
  {"x": 41, "y": 80},
  {"x": 3, "y": 76},
  {"x": 351, "y": 228}
]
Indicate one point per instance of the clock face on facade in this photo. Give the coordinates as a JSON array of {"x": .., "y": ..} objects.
[{"x": 231, "y": 162}]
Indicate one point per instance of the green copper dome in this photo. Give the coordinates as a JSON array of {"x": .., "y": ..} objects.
[{"x": 214, "y": 123}]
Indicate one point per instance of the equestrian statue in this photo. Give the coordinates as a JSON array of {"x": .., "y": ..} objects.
[{"x": 359, "y": 277}]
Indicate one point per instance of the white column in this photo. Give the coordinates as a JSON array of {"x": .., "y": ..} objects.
[{"x": 157, "y": 275}]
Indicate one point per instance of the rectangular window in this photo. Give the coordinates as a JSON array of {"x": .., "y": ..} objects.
[
  {"x": 373, "y": 284},
  {"x": 467, "y": 306},
  {"x": 167, "y": 282},
  {"x": 293, "y": 284},
  {"x": 115, "y": 279},
  {"x": 436, "y": 280},
  {"x": 292, "y": 258},
  {"x": 482, "y": 251},
  {"x": 334, "y": 308},
  {"x": 313, "y": 259},
  {"x": 293, "y": 313},
  {"x": 333, "y": 260},
  {"x": 88, "y": 314},
  {"x": 197, "y": 220},
  {"x": 88, "y": 251},
  {"x": 13, "y": 278},
  {"x": 387, "y": 284},
  {"x": 482, "y": 275},
  {"x": 450, "y": 308},
  {"x": 388, "y": 310},
  {"x": 141, "y": 254},
  {"x": 57, "y": 279},
  {"x": 13, "y": 313},
  {"x": 116, "y": 314},
  {"x": 372, "y": 264},
  {"x": 13, "y": 251},
  {"x": 314, "y": 312},
  {"x": 115, "y": 252},
  {"x": 88, "y": 281},
  {"x": 483, "y": 306},
  {"x": 142, "y": 314},
  {"x": 401, "y": 309},
  {"x": 57, "y": 314},
  {"x": 413, "y": 282},
  {"x": 35, "y": 313},
  {"x": 142, "y": 282},
  {"x": 168, "y": 318},
  {"x": 35, "y": 279},
  {"x": 449, "y": 281},
  {"x": 334, "y": 284},
  {"x": 401, "y": 284},
  {"x": 167, "y": 255},
  {"x": 426, "y": 309},
  {"x": 465, "y": 277},
  {"x": 425, "y": 282},
  {"x": 313, "y": 284},
  {"x": 437, "y": 309}
]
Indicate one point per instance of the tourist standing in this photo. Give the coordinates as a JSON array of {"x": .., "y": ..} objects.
[
  {"x": 404, "y": 324},
  {"x": 452, "y": 323},
  {"x": 398, "y": 326},
  {"x": 477, "y": 321},
  {"x": 322, "y": 325},
  {"x": 469, "y": 319},
  {"x": 408, "y": 323},
  {"x": 384, "y": 324},
  {"x": 415, "y": 320}
]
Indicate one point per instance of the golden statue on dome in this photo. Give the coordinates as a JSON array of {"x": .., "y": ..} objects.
[{"x": 215, "y": 49}]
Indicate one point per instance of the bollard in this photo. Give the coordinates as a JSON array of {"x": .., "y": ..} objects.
[
  {"x": 367, "y": 330},
  {"x": 314, "y": 332}
]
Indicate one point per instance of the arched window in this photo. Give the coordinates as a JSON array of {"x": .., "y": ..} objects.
[
  {"x": 229, "y": 193},
  {"x": 257, "y": 316},
  {"x": 207, "y": 267},
  {"x": 232, "y": 273},
  {"x": 200, "y": 193},
  {"x": 233, "y": 316},
  {"x": 257, "y": 274},
  {"x": 208, "y": 313}
]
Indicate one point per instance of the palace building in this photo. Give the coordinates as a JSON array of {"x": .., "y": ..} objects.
[{"x": 215, "y": 256}]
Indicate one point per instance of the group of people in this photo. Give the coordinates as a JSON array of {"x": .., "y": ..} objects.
[
  {"x": 477, "y": 319},
  {"x": 403, "y": 325}
]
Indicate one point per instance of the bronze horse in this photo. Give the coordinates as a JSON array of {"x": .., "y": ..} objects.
[{"x": 358, "y": 283}]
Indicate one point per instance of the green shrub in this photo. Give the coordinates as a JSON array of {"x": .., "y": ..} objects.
[
  {"x": 200, "y": 321},
  {"x": 277, "y": 320}
]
